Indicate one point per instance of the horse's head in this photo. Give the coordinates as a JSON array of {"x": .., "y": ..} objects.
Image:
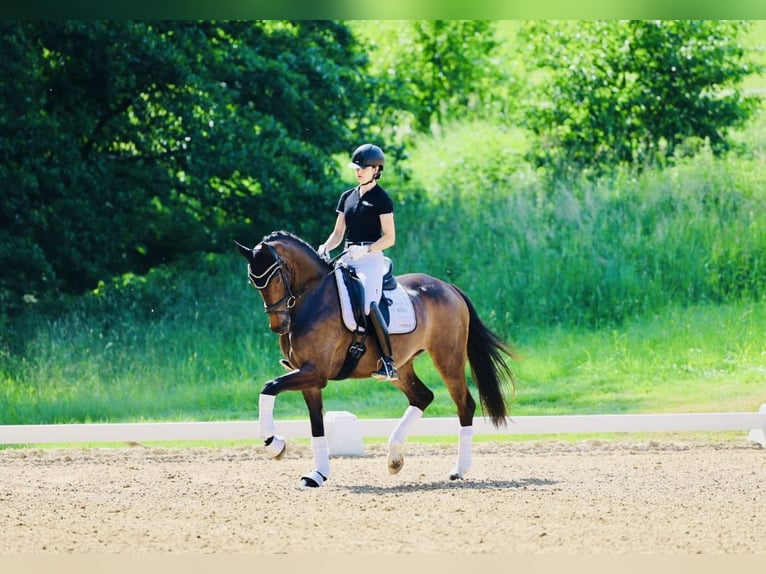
[{"x": 282, "y": 267}]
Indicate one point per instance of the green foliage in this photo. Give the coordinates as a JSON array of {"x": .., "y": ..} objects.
[
  {"x": 427, "y": 73},
  {"x": 467, "y": 160},
  {"x": 632, "y": 92},
  {"x": 581, "y": 252},
  {"x": 126, "y": 144}
]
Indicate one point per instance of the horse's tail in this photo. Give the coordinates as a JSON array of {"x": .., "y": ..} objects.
[{"x": 491, "y": 373}]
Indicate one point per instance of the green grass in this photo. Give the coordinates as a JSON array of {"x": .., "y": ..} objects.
[{"x": 698, "y": 359}]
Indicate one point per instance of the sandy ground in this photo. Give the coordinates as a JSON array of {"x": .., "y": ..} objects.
[{"x": 538, "y": 497}]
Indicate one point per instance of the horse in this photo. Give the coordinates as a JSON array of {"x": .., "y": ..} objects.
[{"x": 301, "y": 298}]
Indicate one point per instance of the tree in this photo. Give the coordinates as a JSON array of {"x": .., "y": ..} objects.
[
  {"x": 632, "y": 92},
  {"x": 126, "y": 144},
  {"x": 428, "y": 72}
]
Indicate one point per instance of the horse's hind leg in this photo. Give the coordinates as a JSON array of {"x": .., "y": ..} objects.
[
  {"x": 452, "y": 369},
  {"x": 419, "y": 397}
]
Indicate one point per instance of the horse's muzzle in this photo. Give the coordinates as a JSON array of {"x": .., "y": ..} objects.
[{"x": 281, "y": 327}]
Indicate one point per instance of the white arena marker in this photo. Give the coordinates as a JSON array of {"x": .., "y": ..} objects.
[
  {"x": 759, "y": 435},
  {"x": 344, "y": 436}
]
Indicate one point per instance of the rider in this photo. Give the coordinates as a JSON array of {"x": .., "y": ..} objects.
[{"x": 366, "y": 213}]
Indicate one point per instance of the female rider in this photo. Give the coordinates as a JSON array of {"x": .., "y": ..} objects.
[{"x": 366, "y": 219}]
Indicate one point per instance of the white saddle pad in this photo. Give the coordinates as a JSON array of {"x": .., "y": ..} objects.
[{"x": 401, "y": 311}]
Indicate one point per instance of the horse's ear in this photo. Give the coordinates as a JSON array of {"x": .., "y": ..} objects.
[{"x": 245, "y": 252}]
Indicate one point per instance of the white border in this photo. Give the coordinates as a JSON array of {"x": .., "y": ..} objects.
[{"x": 427, "y": 426}]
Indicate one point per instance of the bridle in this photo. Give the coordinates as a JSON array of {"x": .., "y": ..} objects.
[{"x": 262, "y": 280}]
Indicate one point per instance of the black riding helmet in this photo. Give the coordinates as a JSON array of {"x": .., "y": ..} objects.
[{"x": 367, "y": 155}]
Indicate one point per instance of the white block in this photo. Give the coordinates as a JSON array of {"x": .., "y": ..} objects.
[
  {"x": 344, "y": 437},
  {"x": 759, "y": 435}
]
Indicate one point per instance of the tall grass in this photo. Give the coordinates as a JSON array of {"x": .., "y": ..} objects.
[
  {"x": 162, "y": 346},
  {"x": 631, "y": 293},
  {"x": 592, "y": 254}
]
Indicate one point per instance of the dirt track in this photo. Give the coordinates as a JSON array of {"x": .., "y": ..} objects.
[{"x": 541, "y": 497}]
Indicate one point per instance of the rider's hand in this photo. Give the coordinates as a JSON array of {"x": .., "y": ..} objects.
[
  {"x": 322, "y": 250},
  {"x": 356, "y": 252}
]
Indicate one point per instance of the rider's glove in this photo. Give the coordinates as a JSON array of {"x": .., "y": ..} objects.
[
  {"x": 322, "y": 250},
  {"x": 356, "y": 252}
]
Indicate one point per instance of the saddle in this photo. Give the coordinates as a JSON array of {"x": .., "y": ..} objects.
[{"x": 395, "y": 306}]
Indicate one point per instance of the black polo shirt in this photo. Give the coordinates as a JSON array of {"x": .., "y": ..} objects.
[{"x": 362, "y": 213}]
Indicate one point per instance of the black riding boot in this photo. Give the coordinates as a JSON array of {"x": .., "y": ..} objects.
[{"x": 387, "y": 371}]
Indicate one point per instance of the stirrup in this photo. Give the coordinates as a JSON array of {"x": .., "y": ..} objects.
[{"x": 387, "y": 372}]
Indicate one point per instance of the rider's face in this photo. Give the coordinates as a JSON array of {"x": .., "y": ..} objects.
[{"x": 365, "y": 174}]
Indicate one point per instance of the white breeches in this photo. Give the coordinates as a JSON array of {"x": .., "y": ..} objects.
[{"x": 370, "y": 269}]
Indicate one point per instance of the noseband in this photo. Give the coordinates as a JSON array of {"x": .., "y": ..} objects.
[{"x": 261, "y": 280}]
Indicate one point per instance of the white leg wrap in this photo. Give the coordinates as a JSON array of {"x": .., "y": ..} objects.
[
  {"x": 398, "y": 436},
  {"x": 321, "y": 455},
  {"x": 464, "y": 455},
  {"x": 402, "y": 430},
  {"x": 266, "y": 415},
  {"x": 313, "y": 479},
  {"x": 275, "y": 446}
]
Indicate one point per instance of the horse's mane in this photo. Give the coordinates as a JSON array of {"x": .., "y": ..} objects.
[{"x": 286, "y": 235}]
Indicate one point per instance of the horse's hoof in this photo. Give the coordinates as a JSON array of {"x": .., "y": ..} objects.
[
  {"x": 395, "y": 461},
  {"x": 459, "y": 473},
  {"x": 313, "y": 479},
  {"x": 276, "y": 446}
]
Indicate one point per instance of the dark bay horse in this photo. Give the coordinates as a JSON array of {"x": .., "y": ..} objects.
[{"x": 300, "y": 296}]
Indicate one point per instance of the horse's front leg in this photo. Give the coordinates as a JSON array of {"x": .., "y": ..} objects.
[
  {"x": 297, "y": 380},
  {"x": 319, "y": 446}
]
